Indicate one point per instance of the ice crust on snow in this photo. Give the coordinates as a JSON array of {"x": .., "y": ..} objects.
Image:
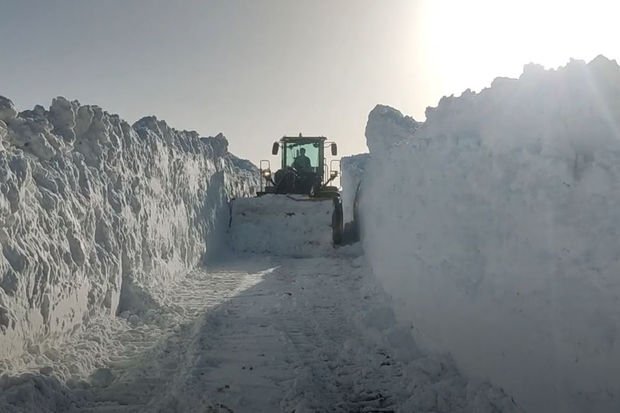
[
  {"x": 499, "y": 237},
  {"x": 98, "y": 216},
  {"x": 290, "y": 225}
]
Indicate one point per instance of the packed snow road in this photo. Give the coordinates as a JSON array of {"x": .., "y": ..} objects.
[{"x": 270, "y": 334}]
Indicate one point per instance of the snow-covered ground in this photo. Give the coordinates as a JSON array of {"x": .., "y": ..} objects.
[
  {"x": 265, "y": 334},
  {"x": 495, "y": 225},
  {"x": 99, "y": 217}
]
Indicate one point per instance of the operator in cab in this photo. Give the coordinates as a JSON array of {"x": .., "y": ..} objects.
[{"x": 302, "y": 162}]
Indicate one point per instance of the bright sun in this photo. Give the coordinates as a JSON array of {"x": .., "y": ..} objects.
[{"x": 468, "y": 43}]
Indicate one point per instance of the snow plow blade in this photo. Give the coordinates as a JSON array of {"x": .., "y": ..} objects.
[{"x": 292, "y": 225}]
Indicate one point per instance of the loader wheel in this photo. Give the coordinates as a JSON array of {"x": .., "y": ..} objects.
[
  {"x": 285, "y": 180},
  {"x": 352, "y": 229},
  {"x": 337, "y": 221}
]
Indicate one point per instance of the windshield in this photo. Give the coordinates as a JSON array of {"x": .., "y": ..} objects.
[{"x": 303, "y": 156}]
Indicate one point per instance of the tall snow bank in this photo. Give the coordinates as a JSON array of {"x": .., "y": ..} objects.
[
  {"x": 496, "y": 227},
  {"x": 97, "y": 216}
]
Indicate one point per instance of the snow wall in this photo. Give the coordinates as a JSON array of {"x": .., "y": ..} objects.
[
  {"x": 495, "y": 225},
  {"x": 97, "y": 216}
]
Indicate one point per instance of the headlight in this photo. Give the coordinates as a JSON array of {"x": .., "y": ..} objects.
[
  {"x": 333, "y": 174},
  {"x": 266, "y": 174}
]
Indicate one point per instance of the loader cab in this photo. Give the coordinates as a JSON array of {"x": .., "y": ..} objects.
[
  {"x": 305, "y": 156},
  {"x": 294, "y": 150}
]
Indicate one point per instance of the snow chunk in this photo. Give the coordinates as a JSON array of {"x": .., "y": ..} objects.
[
  {"x": 62, "y": 117},
  {"x": 7, "y": 110},
  {"x": 386, "y": 127}
]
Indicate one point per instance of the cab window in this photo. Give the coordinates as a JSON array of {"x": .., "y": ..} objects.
[{"x": 295, "y": 159}]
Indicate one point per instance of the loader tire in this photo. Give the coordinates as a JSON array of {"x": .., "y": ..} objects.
[{"x": 337, "y": 221}]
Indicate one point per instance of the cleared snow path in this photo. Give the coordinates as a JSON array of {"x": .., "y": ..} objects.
[{"x": 265, "y": 335}]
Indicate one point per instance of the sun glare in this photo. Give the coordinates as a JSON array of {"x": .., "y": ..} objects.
[{"x": 467, "y": 43}]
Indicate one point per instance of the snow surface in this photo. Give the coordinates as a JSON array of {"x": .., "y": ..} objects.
[
  {"x": 289, "y": 225},
  {"x": 500, "y": 238},
  {"x": 265, "y": 334},
  {"x": 99, "y": 217}
]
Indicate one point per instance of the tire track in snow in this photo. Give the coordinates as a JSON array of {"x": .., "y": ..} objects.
[
  {"x": 267, "y": 334},
  {"x": 152, "y": 362},
  {"x": 313, "y": 335}
]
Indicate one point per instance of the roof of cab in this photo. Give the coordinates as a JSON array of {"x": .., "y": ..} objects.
[{"x": 302, "y": 138}]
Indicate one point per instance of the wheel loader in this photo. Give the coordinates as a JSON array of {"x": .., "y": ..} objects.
[{"x": 297, "y": 210}]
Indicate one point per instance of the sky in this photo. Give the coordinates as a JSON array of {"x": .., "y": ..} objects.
[{"x": 256, "y": 70}]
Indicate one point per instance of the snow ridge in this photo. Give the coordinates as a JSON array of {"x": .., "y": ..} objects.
[
  {"x": 500, "y": 238},
  {"x": 98, "y": 216}
]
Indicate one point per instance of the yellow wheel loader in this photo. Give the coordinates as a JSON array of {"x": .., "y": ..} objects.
[{"x": 298, "y": 210}]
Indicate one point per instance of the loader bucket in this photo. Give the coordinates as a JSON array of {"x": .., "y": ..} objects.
[{"x": 291, "y": 225}]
